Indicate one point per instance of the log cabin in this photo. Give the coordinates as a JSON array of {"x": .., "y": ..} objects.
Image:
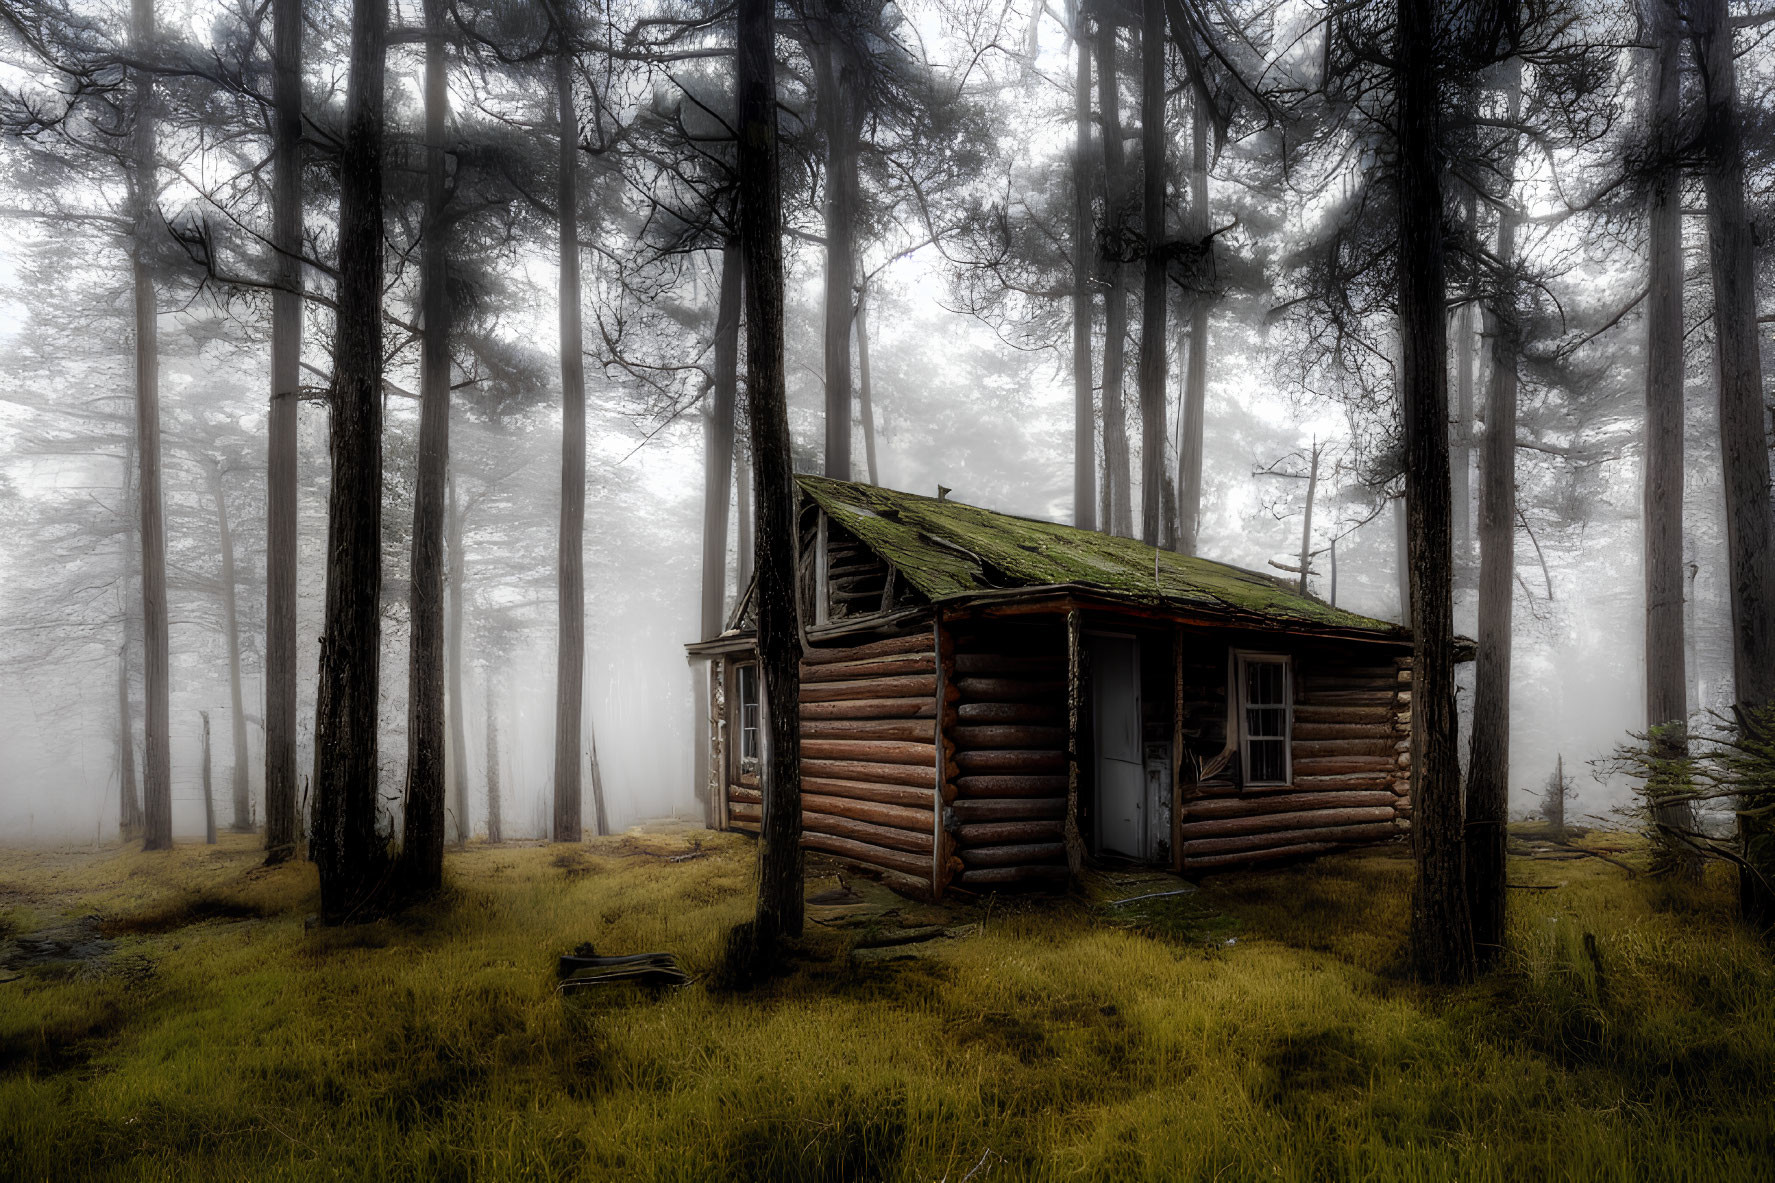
[{"x": 989, "y": 701}]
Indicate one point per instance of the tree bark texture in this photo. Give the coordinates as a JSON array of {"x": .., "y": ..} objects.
[
  {"x": 837, "y": 83},
  {"x": 1084, "y": 417},
  {"x": 743, "y": 535},
  {"x": 780, "y": 908},
  {"x": 1118, "y": 510},
  {"x": 456, "y": 582},
  {"x": 495, "y": 825},
  {"x": 1667, "y": 699},
  {"x": 129, "y": 816},
  {"x": 570, "y": 574},
  {"x": 718, "y": 455},
  {"x": 1195, "y": 388},
  {"x": 345, "y": 843},
  {"x": 1306, "y": 525},
  {"x": 1744, "y": 437},
  {"x": 209, "y": 796},
  {"x": 1460, "y": 429},
  {"x": 240, "y": 801},
  {"x": 280, "y": 475},
  {"x": 1153, "y": 346},
  {"x": 865, "y": 392},
  {"x": 1488, "y": 769},
  {"x": 422, "y": 824},
  {"x": 1441, "y": 937}
]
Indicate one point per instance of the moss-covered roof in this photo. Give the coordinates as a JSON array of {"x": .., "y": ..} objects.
[{"x": 948, "y": 549}]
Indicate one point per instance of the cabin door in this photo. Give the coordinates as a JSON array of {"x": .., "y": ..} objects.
[{"x": 1121, "y": 772}]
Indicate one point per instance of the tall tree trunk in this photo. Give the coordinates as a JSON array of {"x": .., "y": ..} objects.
[
  {"x": 837, "y": 81},
  {"x": 495, "y": 827},
  {"x": 1118, "y": 509},
  {"x": 241, "y": 822},
  {"x": 280, "y": 474},
  {"x": 866, "y": 393},
  {"x": 1402, "y": 559},
  {"x": 129, "y": 819},
  {"x": 1461, "y": 428},
  {"x": 1084, "y": 418},
  {"x": 1441, "y": 935},
  {"x": 1667, "y": 699},
  {"x": 718, "y": 465},
  {"x": 346, "y": 845},
  {"x": 423, "y": 821},
  {"x": 1195, "y": 391},
  {"x": 600, "y": 820},
  {"x": 209, "y": 796},
  {"x": 744, "y": 548},
  {"x": 779, "y": 640},
  {"x": 457, "y": 583},
  {"x": 157, "y": 787},
  {"x": 1744, "y": 437},
  {"x": 1306, "y": 526},
  {"x": 1152, "y": 294},
  {"x": 1488, "y": 768},
  {"x": 570, "y": 647}
]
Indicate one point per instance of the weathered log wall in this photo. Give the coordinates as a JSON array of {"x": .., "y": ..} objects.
[
  {"x": 1351, "y": 768},
  {"x": 868, "y": 760},
  {"x": 1006, "y": 726}
]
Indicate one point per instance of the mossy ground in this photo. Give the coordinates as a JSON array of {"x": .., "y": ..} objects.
[{"x": 1631, "y": 1033}]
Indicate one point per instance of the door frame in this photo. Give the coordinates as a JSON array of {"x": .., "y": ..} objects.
[{"x": 1133, "y": 639}]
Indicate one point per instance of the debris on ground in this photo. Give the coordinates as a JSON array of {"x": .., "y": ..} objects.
[{"x": 584, "y": 967}]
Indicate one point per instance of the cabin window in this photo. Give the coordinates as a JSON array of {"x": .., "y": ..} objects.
[
  {"x": 746, "y": 693},
  {"x": 1264, "y": 710}
]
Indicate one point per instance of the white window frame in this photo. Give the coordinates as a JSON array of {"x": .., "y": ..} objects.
[
  {"x": 1243, "y": 659},
  {"x": 742, "y": 761}
]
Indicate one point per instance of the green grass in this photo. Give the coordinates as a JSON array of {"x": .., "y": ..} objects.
[{"x": 1630, "y": 1035}]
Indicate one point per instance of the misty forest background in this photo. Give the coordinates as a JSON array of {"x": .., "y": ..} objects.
[{"x": 966, "y": 120}]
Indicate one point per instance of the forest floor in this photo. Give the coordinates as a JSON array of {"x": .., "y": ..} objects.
[{"x": 172, "y": 1016}]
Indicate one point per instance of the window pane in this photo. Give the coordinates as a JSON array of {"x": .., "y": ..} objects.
[
  {"x": 1263, "y": 683},
  {"x": 1268, "y": 760},
  {"x": 1266, "y": 721}
]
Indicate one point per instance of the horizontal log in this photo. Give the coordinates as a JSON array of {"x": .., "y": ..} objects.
[
  {"x": 908, "y": 686},
  {"x": 1321, "y": 731},
  {"x": 877, "y": 751},
  {"x": 1355, "y": 698},
  {"x": 976, "y": 736},
  {"x": 742, "y": 793},
  {"x": 1311, "y": 713},
  {"x": 1010, "y": 786},
  {"x": 1014, "y": 856},
  {"x": 1269, "y": 822},
  {"x": 743, "y": 811},
  {"x": 1283, "y": 803},
  {"x": 1010, "y": 689},
  {"x": 918, "y": 730},
  {"x": 874, "y": 667},
  {"x": 749, "y": 779},
  {"x": 1384, "y": 680},
  {"x": 886, "y": 774},
  {"x": 1001, "y": 833},
  {"x": 871, "y": 708},
  {"x": 1315, "y": 749},
  {"x": 856, "y": 790},
  {"x": 1012, "y": 712},
  {"x": 911, "y": 886},
  {"x": 863, "y": 852},
  {"x": 1356, "y": 780},
  {"x": 1247, "y": 858},
  {"x": 1369, "y": 832},
  {"x": 1003, "y": 665},
  {"x": 1011, "y": 762},
  {"x": 920, "y": 820},
  {"x": 887, "y": 837},
  {"x": 744, "y": 827},
  {"x": 1006, "y": 809},
  {"x": 1334, "y": 765},
  {"x": 1009, "y": 876},
  {"x": 915, "y": 643}
]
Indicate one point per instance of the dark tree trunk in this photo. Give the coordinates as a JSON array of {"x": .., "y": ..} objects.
[
  {"x": 1441, "y": 935},
  {"x": 1744, "y": 437},
  {"x": 1084, "y": 418},
  {"x": 744, "y": 548},
  {"x": 239, "y": 799},
  {"x": 157, "y": 787},
  {"x": 346, "y": 845},
  {"x": 1667, "y": 699},
  {"x": 779, "y": 641},
  {"x": 570, "y": 647},
  {"x": 1488, "y": 769},
  {"x": 1461, "y": 430},
  {"x": 1118, "y": 509},
  {"x": 209, "y": 796},
  {"x": 280, "y": 476},
  {"x": 495, "y": 827},
  {"x": 129, "y": 818},
  {"x": 836, "y": 81},
  {"x": 1195, "y": 389},
  {"x": 600, "y": 820},
  {"x": 718, "y": 465},
  {"x": 457, "y": 585},
  {"x": 423, "y": 824},
  {"x": 865, "y": 393},
  {"x": 1152, "y": 289}
]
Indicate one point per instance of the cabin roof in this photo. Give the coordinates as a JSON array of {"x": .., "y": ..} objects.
[{"x": 949, "y": 550}]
